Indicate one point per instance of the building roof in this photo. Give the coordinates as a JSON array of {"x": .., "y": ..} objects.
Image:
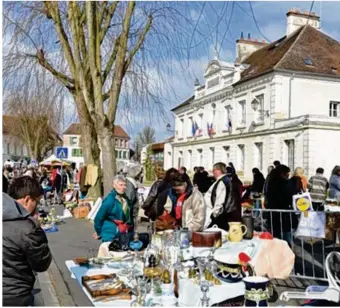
[
  {"x": 9, "y": 123},
  {"x": 75, "y": 129},
  {"x": 157, "y": 146},
  {"x": 305, "y": 50},
  {"x": 185, "y": 103}
]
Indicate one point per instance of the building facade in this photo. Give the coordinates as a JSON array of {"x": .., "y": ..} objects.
[
  {"x": 72, "y": 141},
  {"x": 278, "y": 101}
]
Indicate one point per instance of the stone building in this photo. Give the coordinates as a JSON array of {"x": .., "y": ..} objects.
[{"x": 277, "y": 101}]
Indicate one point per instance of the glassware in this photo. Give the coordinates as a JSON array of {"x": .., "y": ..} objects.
[
  {"x": 141, "y": 292},
  {"x": 203, "y": 266}
]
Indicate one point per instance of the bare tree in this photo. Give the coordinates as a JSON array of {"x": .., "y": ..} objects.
[
  {"x": 147, "y": 135},
  {"x": 143, "y": 138},
  {"x": 37, "y": 115},
  {"x": 100, "y": 52}
]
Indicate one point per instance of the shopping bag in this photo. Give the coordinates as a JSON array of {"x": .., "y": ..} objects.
[
  {"x": 302, "y": 202},
  {"x": 313, "y": 225}
]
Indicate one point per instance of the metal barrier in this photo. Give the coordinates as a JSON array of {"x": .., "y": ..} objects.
[{"x": 310, "y": 253}]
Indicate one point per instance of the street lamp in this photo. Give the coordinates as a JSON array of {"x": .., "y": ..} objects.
[
  {"x": 168, "y": 128},
  {"x": 255, "y": 105}
]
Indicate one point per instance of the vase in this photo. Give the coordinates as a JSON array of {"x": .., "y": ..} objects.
[{"x": 256, "y": 294}]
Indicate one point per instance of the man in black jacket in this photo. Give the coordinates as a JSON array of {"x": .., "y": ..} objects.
[{"x": 24, "y": 244}]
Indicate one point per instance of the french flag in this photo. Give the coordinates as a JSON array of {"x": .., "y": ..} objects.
[{"x": 210, "y": 129}]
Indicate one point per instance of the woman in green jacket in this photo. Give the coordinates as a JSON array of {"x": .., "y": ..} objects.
[{"x": 115, "y": 214}]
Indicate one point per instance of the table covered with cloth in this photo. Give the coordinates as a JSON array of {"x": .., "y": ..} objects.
[{"x": 273, "y": 258}]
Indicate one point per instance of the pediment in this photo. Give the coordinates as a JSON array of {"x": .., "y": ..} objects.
[{"x": 213, "y": 67}]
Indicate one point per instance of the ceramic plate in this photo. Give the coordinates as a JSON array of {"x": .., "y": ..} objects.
[{"x": 229, "y": 252}]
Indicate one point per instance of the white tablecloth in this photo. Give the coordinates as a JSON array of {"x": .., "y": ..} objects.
[{"x": 103, "y": 270}]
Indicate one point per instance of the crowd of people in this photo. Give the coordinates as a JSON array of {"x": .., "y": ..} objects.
[
  {"x": 174, "y": 202},
  {"x": 54, "y": 180}
]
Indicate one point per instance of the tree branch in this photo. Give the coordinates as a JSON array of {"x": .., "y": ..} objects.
[
  {"x": 119, "y": 63},
  {"x": 65, "y": 80},
  {"x": 139, "y": 44},
  {"x": 111, "y": 60},
  {"x": 53, "y": 10},
  {"x": 110, "y": 12}
]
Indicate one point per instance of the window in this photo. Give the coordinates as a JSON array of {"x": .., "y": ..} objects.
[
  {"x": 334, "y": 109},
  {"x": 190, "y": 127},
  {"x": 5, "y": 147},
  {"x": 119, "y": 154},
  {"x": 290, "y": 151},
  {"x": 189, "y": 160},
  {"x": 122, "y": 143},
  {"x": 116, "y": 142},
  {"x": 126, "y": 144},
  {"x": 213, "y": 82},
  {"x": 73, "y": 141},
  {"x": 181, "y": 128},
  {"x": 124, "y": 155},
  {"x": 260, "y": 111},
  {"x": 200, "y": 157},
  {"x": 212, "y": 157},
  {"x": 213, "y": 118},
  {"x": 240, "y": 157},
  {"x": 308, "y": 61},
  {"x": 180, "y": 159},
  {"x": 226, "y": 152},
  {"x": 259, "y": 155},
  {"x": 242, "y": 113},
  {"x": 77, "y": 152},
  {"x": 200, "y": 124}
]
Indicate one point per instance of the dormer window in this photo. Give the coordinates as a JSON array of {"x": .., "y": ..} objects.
[{"x": 213, "y": 82}]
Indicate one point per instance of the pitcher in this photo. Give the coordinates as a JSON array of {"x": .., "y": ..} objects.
[{"x": 235, "y": 231}]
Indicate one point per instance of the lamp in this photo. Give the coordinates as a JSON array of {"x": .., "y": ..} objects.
[
  {"x": 255, "y": 104},
  {"x": 168, "y": 128}
]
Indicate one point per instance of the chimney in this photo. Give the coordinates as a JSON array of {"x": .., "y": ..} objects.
[
  {"x": 245, "y": 47},
  {"x": 297, "y": 19}
]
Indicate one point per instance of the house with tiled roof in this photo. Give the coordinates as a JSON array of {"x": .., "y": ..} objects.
[
  {"x": 277, "y": 101},
  {"x": 72, "y": 141}
]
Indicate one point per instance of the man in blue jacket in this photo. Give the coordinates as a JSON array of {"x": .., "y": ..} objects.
[{"x": 115, "y": 214}]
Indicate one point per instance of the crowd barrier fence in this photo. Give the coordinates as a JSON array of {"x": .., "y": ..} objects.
[{"x": 310, "y": 253}]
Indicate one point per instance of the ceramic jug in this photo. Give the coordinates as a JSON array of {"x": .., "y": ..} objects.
[{"x": 235, "y": 231}]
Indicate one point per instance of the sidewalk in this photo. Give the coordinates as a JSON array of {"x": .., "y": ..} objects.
[{"x": 74, "y": 239}]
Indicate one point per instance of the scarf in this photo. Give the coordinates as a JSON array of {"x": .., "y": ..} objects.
[{"x": 178, "y": 208}]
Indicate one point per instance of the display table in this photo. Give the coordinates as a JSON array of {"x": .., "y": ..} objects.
[
  {"x": 273, "y": 258},
  {"x": 78, "y": 271}
]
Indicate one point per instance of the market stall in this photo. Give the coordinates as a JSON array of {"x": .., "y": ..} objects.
[{"x": 211, "y": 270}]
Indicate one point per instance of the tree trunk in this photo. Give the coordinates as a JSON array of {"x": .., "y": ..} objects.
[
  {"x": 108, "y": 156},
  {"x": 89, "y": 145}
]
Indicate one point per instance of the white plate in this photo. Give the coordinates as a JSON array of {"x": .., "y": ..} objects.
[{"x": 229, "y": 252}]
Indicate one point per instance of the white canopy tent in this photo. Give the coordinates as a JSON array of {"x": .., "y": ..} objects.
[{"x": 54, "y": 161}]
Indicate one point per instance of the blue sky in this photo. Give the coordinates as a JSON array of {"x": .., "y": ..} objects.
[{"x": 271, "y": 18}]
